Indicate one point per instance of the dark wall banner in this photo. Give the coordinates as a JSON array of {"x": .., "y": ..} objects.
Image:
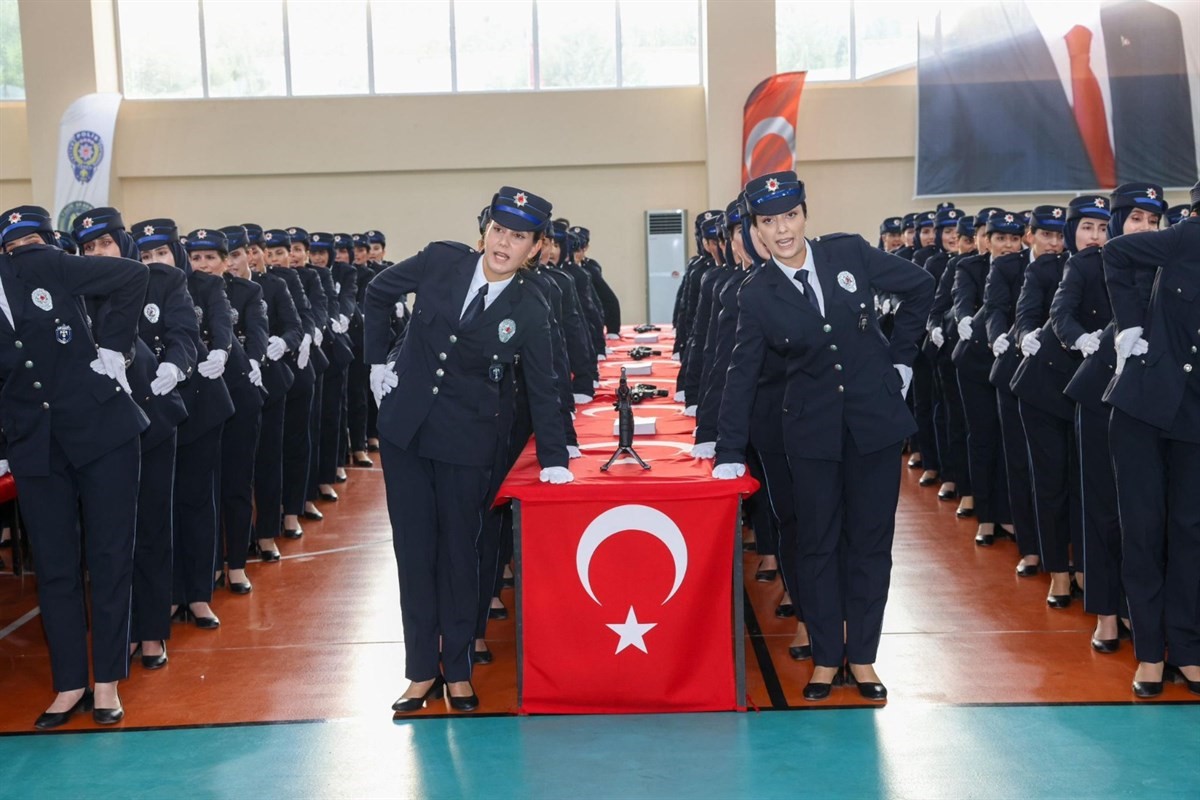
[{"x": 1057, "y": 97}]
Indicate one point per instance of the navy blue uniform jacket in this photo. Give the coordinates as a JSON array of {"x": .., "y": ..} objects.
[
  {"x": 448, "y": 401},
  {"x": 840, "y": 373}
]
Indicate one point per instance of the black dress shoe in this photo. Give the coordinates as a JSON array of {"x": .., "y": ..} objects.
[
  {"x": 1076, "y": 589},
  {"x": 985, "y": 539},
  {"x": 800, "y": 652},
  {"x": 785, "y": 610},
  {"x": 1106, "y": 646},
  {"x": 1147, "y": 688},
  {"x": 315, "y": 516},
  {"x": 509, "y": 581},
  {"x": 1175, "y": 674},
  {"x": 1003, "y": 534},
  {"x": 330, "y": 497},
  {"x": 498, "y": 613},
  {"x": 406, "y": 704},
  {"x": 372, "y": 448},
  {"x": 915, "y": 463},
  {"x": 269, "y": 556},
  {"x": 481, "y": 656},
  {"x": 468, "y": 703},
  {"x": 948, "y": 494},
  {"x": 749, "y": 547},
  {"x": 180, "y": 614},
  {"x": 820, "y": 691},
  {"x": 1028, "y": 570},
  {"x": 870, "y": 691},
  {"x": 963, "y": 513},
  {"x": 340, "y": 478},
  {"x": 240, "y": 588},
  {"x": 155, "y": 662},
  {"x": 219, "y": 581},
  {"x": 108, "y": 716},
  {"x": 927, "y": 481},
  {"x": 363, "y": 462},
  {"x": 766, "y": 575},
  {"x": 54, "y": 719},
  {"x": 206, "y": 623},
  {"x": 293, "y": 533},
  {"x": 1059, "y": 601}
]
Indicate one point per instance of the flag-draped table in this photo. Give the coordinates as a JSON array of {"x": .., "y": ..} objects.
[{"x": 629, "y": 581}]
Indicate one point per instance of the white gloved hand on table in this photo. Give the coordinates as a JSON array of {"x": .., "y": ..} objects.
[
  {"x": 727, "y": 472},
  {"x": 556, "y": 475}
]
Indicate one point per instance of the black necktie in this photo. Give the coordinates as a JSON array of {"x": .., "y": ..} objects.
[
  {"x": 801, "y": 277},
  {"x": 475, "y": 307}
]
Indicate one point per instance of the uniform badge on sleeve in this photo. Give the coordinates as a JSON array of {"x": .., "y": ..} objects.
[
  {"x": 63, "y": 334},
  {"x": 508, "y": 329},
  {"x": 41, "y": 299},
  {"x": 847, "y": 282},
  {"x": 152, "y": 313}
]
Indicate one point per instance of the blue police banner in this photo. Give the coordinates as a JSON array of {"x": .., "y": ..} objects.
[
  {"x": 1057, "y": 97},
  {"x": 85, "y": 147}
]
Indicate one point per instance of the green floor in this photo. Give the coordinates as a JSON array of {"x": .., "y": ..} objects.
[{"x": 919, "y": 752}]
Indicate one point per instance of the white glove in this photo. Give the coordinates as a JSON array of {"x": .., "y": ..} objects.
[
  {"x": 601, "y": 357},
  {"x": 168, "y": 378},
  {"x": 608, "y": 351},
  {"x": 1129, "y": 342},
  {"x": 906, "y": 373},
  {"x": 574, "y": 452},
  {"x": 383, "y": 380},
  {"x": 704, "y": 450},
  {"x": 335, "y": 325},
  {"x": 255, "y": 373},
  {"x": 112, "y": 364},
  {"x": 964, "y": 328},
  {"x": 276, "y": 347},
  {"x": 937, "y": 337},
  {"x": 401, "y": 310},
  {"x": 556, "y": 475},
  {"x": 595, "y": 384},
  {"x": 1088, "y": 343},
  {"x": 213, "y": 366},
  {"x": 305, "y": 347},
  {"x": 613, "y": 336},
  {"x": 1001, "y": 345},
  {"x": 318, "y": 337},
  {"x": 343, "y": 323},
  {"x": 690, "y": 411},
  {"x": 674, "y": 356},
  {"x": 679, "y": 396},
  {"x": 1030, "y": 343},
  {"x": 727, "y": 472},
  {"x": 3, "y": 467},
  {"x": 582, "y": 399},
  {"x": 885, "y": 307}
]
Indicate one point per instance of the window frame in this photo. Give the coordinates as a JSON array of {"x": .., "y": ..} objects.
[{"x": 853, "y": 42}]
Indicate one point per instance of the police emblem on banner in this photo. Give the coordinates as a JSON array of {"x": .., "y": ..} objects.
[
  {"x": 507, "y": 329},
  {"x": 41, "y": 299},
  {"x": 66, "y": 217},
  {"x": 85, "y": 151},
  {"x": 63, "y": 334},
  {"x": 151, "y": 312}
]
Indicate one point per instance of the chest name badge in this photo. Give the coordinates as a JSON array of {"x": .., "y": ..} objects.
[
  {"x": 496, "y": 373},
  {"x": 63, "y": 334},
  {"x": 41, "y": 299},
  {"x": 152, "y": 312},
  {"x": 507, "y": 330},
  {"x": 847, "y": 282}
]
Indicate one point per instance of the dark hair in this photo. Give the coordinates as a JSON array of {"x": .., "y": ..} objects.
[{"x": 754, "y": 217}]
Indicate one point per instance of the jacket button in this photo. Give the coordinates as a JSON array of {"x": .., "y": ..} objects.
[
  {"x": 440, "y": 372},
  {"x": 37, "y": 384},
  {"x": 28, "y": 365},
  {"x": 841, "y": 388},
  {"x": 838, "y": 367},
  {"x": 441, "y": 356},
  {"x": 435, "y": 390},
  {"x": 18, "y": 344},
  {"x": 1187, "y": 367},
  {"x": 827, "y": 328},
  {"x": 833, "y": 347},
  {"x": 453, "y": 338},
  {"x": 45, "y": 405}
]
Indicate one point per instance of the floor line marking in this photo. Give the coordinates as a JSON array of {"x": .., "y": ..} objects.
[{"x": 13, "y": 627}]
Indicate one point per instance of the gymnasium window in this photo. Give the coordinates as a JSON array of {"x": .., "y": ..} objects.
[
  {"x": 279, "y": 48},
  {"x": 843, "y": 40},
  {"x": 12, "y": 70}
]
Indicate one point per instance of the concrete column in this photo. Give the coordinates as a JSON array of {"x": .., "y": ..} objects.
[
  {"x": 739, "y": 42},
  {"x": 70, "y": 50}
]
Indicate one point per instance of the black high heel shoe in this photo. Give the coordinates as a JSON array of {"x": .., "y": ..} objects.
[
  {"x": 927, "y": 481},
  {"x": 785, "y": 610},
  {"x": 468, "y": 703},
  {"x": 802, "y": 652},
  {"x": 154, "y": 662},
  {"x": 766, "y": 575},
  {"x": 948, "y": 494},
  {"x": 498, "y": 613},
  {"x": 1058, "y": 600},
  {"x": 363, "y": 462},
  {"x": 244, "y": 587},
  {"x": 869, "y": 690},
  {"x": 203, "y": 623},
  {"x": 814, "y": 691},
  {"x": 1176, "y": 676},
  {"x": 1028, "y": 570},
  {"x": 269, "y": 556},
  {"x": 219, "y": 581},
  {"x": 481, "y": 656},
  {"x": 55, "y": 719},
  {"x": 984, "y": 539},
  {"x": 293, "y": 533},
  {"x": 330, "y": 497},
  {"x": 1106, "y": 646},
  {"x": 435, "y": 692},
  {"x": 315, "y": 516},
  {"x": 1076, "y": 589},
  {"x": 964, "y": 513}
]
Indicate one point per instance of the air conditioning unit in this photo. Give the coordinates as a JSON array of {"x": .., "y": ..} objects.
[{"x": 666, "y": 260}]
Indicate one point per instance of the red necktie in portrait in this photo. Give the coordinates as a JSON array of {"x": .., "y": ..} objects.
[{"x": 1089, "y": 107}]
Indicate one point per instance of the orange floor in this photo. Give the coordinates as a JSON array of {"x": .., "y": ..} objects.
[{"x": 320, "y": 636}]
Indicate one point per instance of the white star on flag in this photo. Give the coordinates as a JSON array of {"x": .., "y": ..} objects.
[{"x": 632, "y": 632}]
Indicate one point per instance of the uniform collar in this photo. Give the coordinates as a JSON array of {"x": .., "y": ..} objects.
[{"x": 494, "y": 287}]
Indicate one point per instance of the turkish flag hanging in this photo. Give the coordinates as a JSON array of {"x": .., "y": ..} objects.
[
  {"x": 627, "y": 607},
  {"x": 769, "y": 125}
]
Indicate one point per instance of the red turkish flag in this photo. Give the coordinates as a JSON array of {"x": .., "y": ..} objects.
[
  {"x": 627, "y": 607},
  {"x": 769, "y": 125}
]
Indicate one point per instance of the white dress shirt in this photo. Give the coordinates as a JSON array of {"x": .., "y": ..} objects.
[
  {"x": 1053, "y": 20},
  {"x": 814, "y": 283},
  {"x": 479, "y": 279}
]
